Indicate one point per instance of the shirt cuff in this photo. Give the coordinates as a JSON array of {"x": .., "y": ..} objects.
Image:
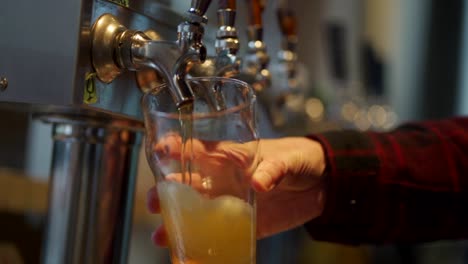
[{"x": 352, "y": 167}]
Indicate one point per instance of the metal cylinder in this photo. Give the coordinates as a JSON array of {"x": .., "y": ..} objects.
[{"x": 91, "y": 192}]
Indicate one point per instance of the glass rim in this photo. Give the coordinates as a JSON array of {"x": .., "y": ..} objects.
[{"x": 250, "y": 101}]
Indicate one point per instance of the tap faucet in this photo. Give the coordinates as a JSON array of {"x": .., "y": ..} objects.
[
  {"x": 289, "y": 98},
  {"x": 255, "y": 65},
  {"x": 225, "y": 63},
  {"x": 287, "y": 56},
  {"x": 227, "y": 41},
  {"x": 116, "y": 48}
]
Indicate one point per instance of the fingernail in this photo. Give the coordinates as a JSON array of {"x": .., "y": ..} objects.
[{"x": 262, "y": 182}]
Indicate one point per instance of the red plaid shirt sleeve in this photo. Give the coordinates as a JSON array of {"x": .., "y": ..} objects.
[{"x": 408, "y": 185}]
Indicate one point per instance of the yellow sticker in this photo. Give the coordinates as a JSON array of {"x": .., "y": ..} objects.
[
  {"x": 125, "y": 3},
  {"x": 90, "y": 93}
]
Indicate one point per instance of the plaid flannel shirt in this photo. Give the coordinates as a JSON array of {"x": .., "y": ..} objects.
[{"x": 408, "y": 185}]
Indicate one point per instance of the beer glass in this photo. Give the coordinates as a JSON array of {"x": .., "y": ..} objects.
[{"x": 203, "y": 155}]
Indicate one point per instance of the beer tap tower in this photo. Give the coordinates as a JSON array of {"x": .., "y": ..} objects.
[{"x": 72, "y": 63}]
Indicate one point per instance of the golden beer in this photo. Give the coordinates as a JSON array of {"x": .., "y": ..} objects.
[{"x": 206, "y": 231}]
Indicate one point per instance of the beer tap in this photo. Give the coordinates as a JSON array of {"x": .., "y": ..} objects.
[
  {"x": 287, "y": 56},
  {"x": 116, "y": 48},
  {"x": 225, "y": 63},
  {"x": 255, "y": 65},
  {"x": 227, "y": 41},
  {"x": 286, "y": 69},
  {"x": 288, "y": 98}
]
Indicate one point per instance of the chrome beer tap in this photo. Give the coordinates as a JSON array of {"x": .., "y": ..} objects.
[
  {"x": 286, "y": 69},
  {"x": 226, "y": 63},
  {"x": 115, "y": 48},
  {"x": 227, "y": 41},
  {"x": 287, "y": 56},
  {"x": 288, "y": 95},
  {"x": 255, "y": 64}
]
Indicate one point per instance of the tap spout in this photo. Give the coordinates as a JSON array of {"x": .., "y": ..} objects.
[
  {"x": 116, "y": 49},
  {"x": 171, "y": 59},
  {"x": 166, "y": 57},
  {"x": 225, "y": 63}
]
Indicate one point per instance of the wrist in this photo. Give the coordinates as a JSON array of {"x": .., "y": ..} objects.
[{"x": 322, "y": 172}]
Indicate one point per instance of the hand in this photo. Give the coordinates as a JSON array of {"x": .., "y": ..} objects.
[{"x": 288, "y": 179}]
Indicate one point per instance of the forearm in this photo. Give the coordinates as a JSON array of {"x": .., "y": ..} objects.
[{"x": 403, "y": 186}]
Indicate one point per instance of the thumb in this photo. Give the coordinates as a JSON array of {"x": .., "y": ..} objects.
[{"x": 268, "y": 174}]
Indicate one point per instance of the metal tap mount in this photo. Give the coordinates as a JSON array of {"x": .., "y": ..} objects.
[{"x": 116, "y": 48}]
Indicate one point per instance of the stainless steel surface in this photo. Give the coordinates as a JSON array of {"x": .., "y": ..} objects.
[
  {"x": 192, "y": 51},
  {"x": 91, "y": 196},
  {"x": 105, "y": 32},
  {"x": 226, "y": 23},
  {"x": 3, "y": 84},
  {"x": 227, "y": 41},
  {"x": 34, "y": 45},
  {"x": 48, "y": 61},
  {"x": 223, "y": 65},
  {"x": 123, "y": 94},
  {"x": 116, "y": 48}
]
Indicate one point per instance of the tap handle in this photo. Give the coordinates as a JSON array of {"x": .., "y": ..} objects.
[
  {"x": 256, "y": 8},
  {"x": 287, "y": 22},
  {"x": 227, "y": 4},
  {"x": 226, "y": 36},
  {"x": 255, "y": 23},
  {"x": 226, "y": 13},
  {"x": 226, "y": 17},
  {"x": 199, "y": 7}
]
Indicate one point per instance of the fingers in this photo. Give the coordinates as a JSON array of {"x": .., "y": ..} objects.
[
  {"x": 268, "y": 174},
  {"x": 159, "y": 237},
  {"x": 170, "y": 146},
  {"x": 206, "y": 152},
  {"x": 241, "y": 154}
]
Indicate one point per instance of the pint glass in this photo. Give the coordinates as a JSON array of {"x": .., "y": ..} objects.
[{"x": 203, "y": 156}]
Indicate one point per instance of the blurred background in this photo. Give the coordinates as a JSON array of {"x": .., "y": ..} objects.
[{"x": 361, "y": 64}]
